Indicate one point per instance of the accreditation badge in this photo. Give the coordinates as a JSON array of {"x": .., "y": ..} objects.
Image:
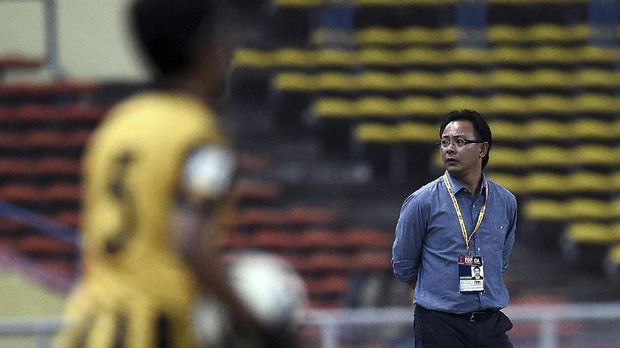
[{"x": 471, "y": 273}]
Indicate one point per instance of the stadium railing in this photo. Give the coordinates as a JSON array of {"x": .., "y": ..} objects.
[{"x": 544, "y": 323}]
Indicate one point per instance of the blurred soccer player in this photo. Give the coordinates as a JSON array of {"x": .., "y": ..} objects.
[{"x": 157, "y": 173}]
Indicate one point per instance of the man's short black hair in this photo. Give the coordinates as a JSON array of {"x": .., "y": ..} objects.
[
  {"x": 482, "y": 129},
  {"x": 167, "y": 30}
]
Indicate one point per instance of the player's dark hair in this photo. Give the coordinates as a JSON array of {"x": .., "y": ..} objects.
[
  {"x": 168, "y": 30},
  {"x": 482, "y": 129}
]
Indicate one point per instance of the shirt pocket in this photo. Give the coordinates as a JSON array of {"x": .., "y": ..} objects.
[{"x": 495, "y": 233}]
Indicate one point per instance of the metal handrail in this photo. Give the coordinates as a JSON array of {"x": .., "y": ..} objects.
[{"x": 330, "y": 321}]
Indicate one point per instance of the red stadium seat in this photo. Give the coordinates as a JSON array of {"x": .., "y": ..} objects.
[
  {"x": 69, "y": 218},
  {"x": 372, "y": 261},
  {"x": 41, "y": 244},
  {"x": 62, "y": 193},
  {"x": 331, "y": 284},
  {"x": 56, "y": 166},
  {"x": 254, "y": 190},
  {"x": 16, "y": 167},
  {"x": 21, "y": 193},
  {"x": 320, "y": 238},
  {"x": 366, "y": 238}
]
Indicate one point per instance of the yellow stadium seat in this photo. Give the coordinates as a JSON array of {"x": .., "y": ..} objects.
[
  {"x": 551, "y": 78},
  {"x": 545, "y": 129},
  {"x": 588, "y": 182},
  {"x": 594, "y": 54},
  {"x": 599, "y": 78},
  {"x": 377, "y": 35},
  {"x": 420, "y": 106},
  {"x": 590, "y": 209},
  {"x": 456, "y": 102},
  {"x": 294, "y": 57},
  {"x": 508, "y": 131},
  {"x": 592, "y": 233},
  {"x": 376, "y": 107},
  {"x": 335, "y": 82},
  {"x": 332, "y": 108},
  {"x": 416, "y": 132},
  {"x": 330, "y": 57},
  {"x": 420, "y": 80},
  {"x": 596, "y": 103},
  {"x": 553, "y": 33},
  {"x": 464, "y": 79},
  {"x": 374, "y": 133},
  {"x": 508, "y": 157},
  {"x": 468, "y": 56},
  {"x": 597, "y": 155},
  {"x": 504, "y": 78},
  {"x": 422, "y": 56},
  {"x": 615, "y": 181},
  {"x": 292, "y": 81},
  {"x": 545, "y": 210},
  {"x": 504, "y": 33},
  {"x": 615, "y": 208},
  {"x": 593, "y": 129},
  {"x": 549, "y": 156},
  {"x": 553, "y": 55},
  {"x": 251, "y": 58},
  {"x": 614, "y": 255},
  {"x": 510, "y": 181},
  {"x": 545, "y": 183},
  {"x": 376, "y": 81},
  {"x": 509, "y": 55},
  {"x": 446, "y": 35},
  {"x": 549, "y": 104},
  {"x": 507, "y": 103},
  {"x": 379, "y": 57}
]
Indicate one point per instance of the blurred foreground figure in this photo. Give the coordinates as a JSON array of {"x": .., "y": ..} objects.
[
  {"x": 454, "y": 239},
  {"x": 273, "y": 292},
  {"x": 157, "y": 175}
]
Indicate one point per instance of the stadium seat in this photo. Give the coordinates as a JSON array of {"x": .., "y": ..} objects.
[
  {"x": 545, "y": 210},
  {"x": 550, "y": 156},
  {"x": 21, "y": 194},
  {"x": 596, "y": 156},
  {"x": 52, "y": 166},
  {"x": 544, "y": 183}
]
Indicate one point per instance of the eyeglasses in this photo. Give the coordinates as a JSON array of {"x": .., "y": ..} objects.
[{"x": 459, "y": 142}]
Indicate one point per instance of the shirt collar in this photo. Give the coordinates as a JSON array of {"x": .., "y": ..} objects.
[{"x": 457, "y": 186}]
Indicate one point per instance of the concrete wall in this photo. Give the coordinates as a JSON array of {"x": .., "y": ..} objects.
[{"x": 93, "y": 38}]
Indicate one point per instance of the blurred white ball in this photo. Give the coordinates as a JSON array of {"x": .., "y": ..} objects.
[{"x": 270, "y": 287}]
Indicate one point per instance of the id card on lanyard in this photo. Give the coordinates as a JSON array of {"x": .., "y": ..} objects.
[{"x": 471, "y": 271}]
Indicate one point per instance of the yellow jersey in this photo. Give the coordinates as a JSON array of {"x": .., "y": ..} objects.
[{"x": 134, "y": 287}]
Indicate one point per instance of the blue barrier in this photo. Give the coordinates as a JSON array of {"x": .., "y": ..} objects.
[{"x": 39, "y": 222}]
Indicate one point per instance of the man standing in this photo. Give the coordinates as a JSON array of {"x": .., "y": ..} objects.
[
  {"x": 157, "y": 175},
  {"x": 449, "y": 227}
]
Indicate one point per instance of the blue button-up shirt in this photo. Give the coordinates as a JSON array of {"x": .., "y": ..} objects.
[{"x": 429, "y": 240}]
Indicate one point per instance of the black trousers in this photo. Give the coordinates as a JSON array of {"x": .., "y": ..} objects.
[{"x": 435, "y": 329}]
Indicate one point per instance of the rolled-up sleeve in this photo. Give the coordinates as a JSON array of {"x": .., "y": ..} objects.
[{"x": 409, "y": 237}]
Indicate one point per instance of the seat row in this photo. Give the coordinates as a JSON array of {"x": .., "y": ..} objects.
[
  {"x": 399, "y": 3},
  {"x": 498, "y": 105},
  {"x": 311, "y": 239},
  {"x": 574, "y": 209},
  {"x": 547, "y": 33},
  {"x": 549, "y": 183},
  {"x": 249, "y": 58},
  {"x": 46, "y": 114},
  {"x": 518, "y": 133},
  {"x": 369, "y": 81}
]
